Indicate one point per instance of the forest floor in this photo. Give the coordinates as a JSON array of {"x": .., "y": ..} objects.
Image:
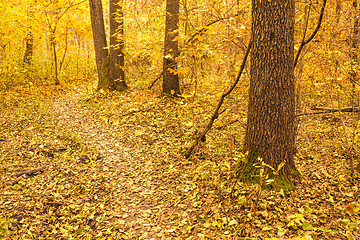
[{"x": 113, "y": 168}]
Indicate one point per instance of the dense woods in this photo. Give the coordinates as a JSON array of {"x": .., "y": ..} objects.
[{"x": 179, "y": 119}]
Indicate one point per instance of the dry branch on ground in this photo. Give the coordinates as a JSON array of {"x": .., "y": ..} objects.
[{"x": 24, "y": 173}]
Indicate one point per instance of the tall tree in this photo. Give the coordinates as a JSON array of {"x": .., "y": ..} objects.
[
  {"x": 171, "y": 49},
  {"x": 117, "y": 62},
  {"x": 101, "y": 52},
  {"x": 270, "y": 131}
]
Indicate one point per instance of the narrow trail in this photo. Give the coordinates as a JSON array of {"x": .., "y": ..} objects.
[{"x": 122, "y": 164}]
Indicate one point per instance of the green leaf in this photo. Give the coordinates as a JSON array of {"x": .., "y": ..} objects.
[{"x": 307, "y": 226}]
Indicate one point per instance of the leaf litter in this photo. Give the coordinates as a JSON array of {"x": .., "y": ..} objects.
[{"x": 114, "y": 169}]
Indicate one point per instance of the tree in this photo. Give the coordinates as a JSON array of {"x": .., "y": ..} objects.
[
  {"x": 101, "y": 52},
  {"x": 171, "y": 49},
  {"x": 270, "y": 132},
  {"x": 53, "y": 17},
  {"x": 354, "y": 40},
  {"x": 29, "y": 41},
  {"x": 117, "y": 62}
]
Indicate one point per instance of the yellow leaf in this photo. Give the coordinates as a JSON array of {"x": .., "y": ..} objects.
[
  {"x": 199, "y": 37},
  {"x": 139, "y": 132},
  {"x": 207, "y": 224},
  {"x": 172, "y": 92},
  {"x": 189, "y": 124},
  {"x": 233, "y": 222}
]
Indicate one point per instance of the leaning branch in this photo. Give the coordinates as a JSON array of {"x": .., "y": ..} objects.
[
  {"x": 304, "y": 42},
  {"x": 153, "y": 83},
  {"x": 221, "y": 100}
]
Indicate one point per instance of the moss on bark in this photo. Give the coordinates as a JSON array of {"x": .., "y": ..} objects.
[{"x": 254, "y": 170}]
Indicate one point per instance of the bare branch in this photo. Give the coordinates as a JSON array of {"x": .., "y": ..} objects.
[
  {"x": 204, "y": 28},
  {"x": 304, "y": 42},
  {"x": 221, "y": 100}
]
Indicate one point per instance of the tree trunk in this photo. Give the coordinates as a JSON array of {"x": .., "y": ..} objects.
[
  {"x": 101, "y": 52},
  {"x": 53, "y": 48},
  {"x": 353, "y": 52},
  {"x": 270, "y": 133},
  {"x": 171, "y": 49},
  {"x": 117, "y": 62},
  {"x": 28, "y": 49}
]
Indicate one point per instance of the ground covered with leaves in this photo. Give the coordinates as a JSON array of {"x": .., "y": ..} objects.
[{"x": 112, "y": 167}]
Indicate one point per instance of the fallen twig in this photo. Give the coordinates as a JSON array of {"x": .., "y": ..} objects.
[
  {"x": 329, "y": 110},
  {"x": 28, "y": 171},
  {"x": 22, "y": 174},
  {"x": 345, "y": 109}
]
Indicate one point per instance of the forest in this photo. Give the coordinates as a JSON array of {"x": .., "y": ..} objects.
[{"x": 180, "y": 119}]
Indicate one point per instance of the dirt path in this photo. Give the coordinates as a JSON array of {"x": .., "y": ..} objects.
[
  {"x": 122, "y": 164},
  {"x": 104, "y": 174}
]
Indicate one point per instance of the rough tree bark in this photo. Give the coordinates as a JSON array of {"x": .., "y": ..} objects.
[
  {"x": 270, "y": 132},
  {"x": 171, "y": 49},
  {"x": 117, "y": 61},
  {"x": 101, "y": 52}
]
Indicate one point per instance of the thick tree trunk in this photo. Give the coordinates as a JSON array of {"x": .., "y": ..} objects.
[
  {"x": 171, "y": 49},
  {"x": 117, "y": 62},
  {"x": 101, "y": 52},
  {"x": 270, "y": 132}
]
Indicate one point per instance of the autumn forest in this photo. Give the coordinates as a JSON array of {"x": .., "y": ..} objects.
[{"x": 180, "y": 119}]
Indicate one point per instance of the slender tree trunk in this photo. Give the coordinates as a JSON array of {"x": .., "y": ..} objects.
[
  {"x": 53, "y": 48},
  {"x": 101, "y": 52},
  {"x": 28, "y": 48},
  {"x": 29, "y": 44},
  {"x": 117, "y": 44},
  {"x": 353, "y": 52},
  {"x": 270, "y": 132},
  {"x": 171, "y": 49}
]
